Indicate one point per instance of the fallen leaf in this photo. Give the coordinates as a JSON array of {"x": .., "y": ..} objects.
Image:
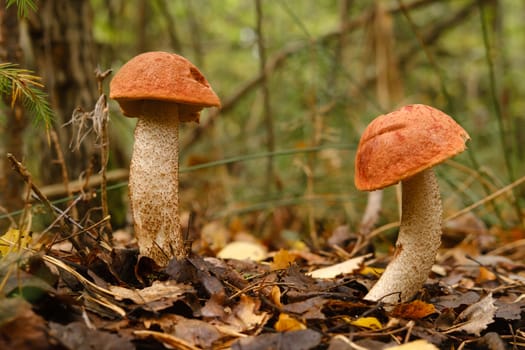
[
  {"x": 415, "y": 345},
  {"x": 276, "y": 296},
  {"x": 509, "y": 311},
  {"x": 282, "y": 260},
  {"x": 308, "y": 309},
  {"x": 287, "y": 323},
  {"x": 78, "y": 336},
  {"x": 195, "y": 332},
  {"x": 454, "y": 300},
  {"x": 20, "y": 327},
  {"x": 14, "y": 240},
  {"x": 296, "y": 340},
  {"x": 414, "y": 310},
  {"x": 485, "y": 275},
  {"x": 369, "y": 270},
  {"x": 345, "y": 267},
  {"x": 167, "y": 339},
  {"x": 476, "y": 317},
  {"x": 367, "y": 322},
  {"x": 243, "y": 251},
  {"x": 245, "y": 315},
  {"x": 163, "y": 292}
]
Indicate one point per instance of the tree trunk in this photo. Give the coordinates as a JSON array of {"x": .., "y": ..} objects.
[
  {"x": 64, "y": 51},
  {"x": 11, "y": 185}
]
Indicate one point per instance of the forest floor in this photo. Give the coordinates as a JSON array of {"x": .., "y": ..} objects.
[{"x": 285, "y": 299}]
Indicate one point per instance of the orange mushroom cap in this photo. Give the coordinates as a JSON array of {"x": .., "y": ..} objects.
[
  {"x": 163, "y": 78},
  {"x": 400, "y": 144}
]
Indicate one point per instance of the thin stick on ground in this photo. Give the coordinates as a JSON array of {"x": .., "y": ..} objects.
[
  {"x": 26, "y": 176},
  {"x": 65, "y": 176}
]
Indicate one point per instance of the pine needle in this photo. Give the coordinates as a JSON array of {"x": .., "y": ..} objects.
[
  {"x": 22, "y": 84},
  {"x": 23, "y": 6}
]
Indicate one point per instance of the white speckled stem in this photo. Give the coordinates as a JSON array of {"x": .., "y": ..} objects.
[
  {"x": 417, "y": 243},
  {"x": 153, "y": 186}
]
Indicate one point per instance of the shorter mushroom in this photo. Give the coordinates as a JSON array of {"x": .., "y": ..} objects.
[
  {"x": 160, "y": 89},
  {"x": 403, "y": 146}
]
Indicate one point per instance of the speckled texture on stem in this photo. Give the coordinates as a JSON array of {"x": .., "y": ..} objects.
[
  {"x": 417, "y": 243},
  {"x": 153, "y": 186}
]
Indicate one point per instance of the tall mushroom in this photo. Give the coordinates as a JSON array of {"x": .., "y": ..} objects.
[
  {"x": 160, "y": 89},
  {"x": 403, "y": 146}
]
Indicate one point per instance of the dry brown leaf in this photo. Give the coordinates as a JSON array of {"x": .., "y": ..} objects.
[
  {"x": 78, "y": 336},
  {"x": 20, "y": 327},
  {"x": 414, "y": 310},
  {"x": 245, "y": 315},
  {"x": 476, "y": 317},
  {"x": 196, "y": 332},
  {"x": 296, "y": 340},
  {"x": 453, "y": 301},
  {"x": 310, "y": 308},
  {"x": 169, "y": 289},
  {"x": 167, "y": 339}
]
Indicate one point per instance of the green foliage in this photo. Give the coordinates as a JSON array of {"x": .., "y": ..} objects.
[
  {"x": 19, "y": 83},
  {"x": 23, "y": 6}
]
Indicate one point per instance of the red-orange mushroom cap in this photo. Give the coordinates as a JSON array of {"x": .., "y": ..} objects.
[
  {"x": 163, "y": 78},
  {"x": 400, "y": 144}
]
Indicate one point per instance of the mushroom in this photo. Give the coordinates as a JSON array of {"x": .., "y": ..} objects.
[
  {"x": 160, "y": 89},
  {"x": 403, "y": 146}
]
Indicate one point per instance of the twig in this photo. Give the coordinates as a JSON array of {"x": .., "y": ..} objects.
[
  {"x": 63, "y": 168},
  {"x": 100, "y": 120},
  {"x": 26, "y": 176},
  {"x": 58, "y": 190},
  {"x": 488, "y": 198}
]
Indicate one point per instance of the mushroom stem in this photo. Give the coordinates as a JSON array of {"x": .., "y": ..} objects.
[
  {"x": 417, "y": 243},
  {"x": 153, "y": 185}
]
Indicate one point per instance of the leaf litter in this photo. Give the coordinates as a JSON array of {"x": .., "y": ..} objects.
[{"x": 286, "y": 299}]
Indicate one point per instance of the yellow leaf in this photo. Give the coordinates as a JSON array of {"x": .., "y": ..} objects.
[
  {"x": 287, "y": 323},
  {"x": 367, "y": 270},
  {"x": 367, "y": 322},
  {"x": 276, "y": 296},
  {"x": 282, "y": 260},
  {"x": 13, "y": 240}
]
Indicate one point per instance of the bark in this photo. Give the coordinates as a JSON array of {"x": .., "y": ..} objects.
[
  {"x": 11, "y": 185},
  {"x": 64, "y": 52}
]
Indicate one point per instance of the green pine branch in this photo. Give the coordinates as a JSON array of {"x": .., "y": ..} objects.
[
  {"x": 23, "y": 6},
  {"x": 22, "y": 84}
]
